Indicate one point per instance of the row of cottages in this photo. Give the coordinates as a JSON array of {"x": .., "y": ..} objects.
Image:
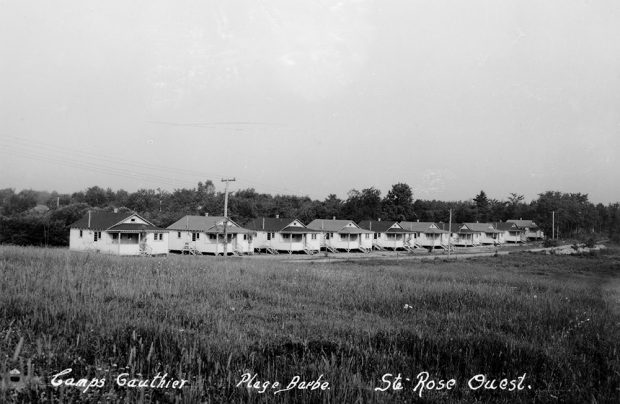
[
  {"x": 342, "y": 235},
  {"x": 118, "y": 233},
  {"x": 209, "y": 235},
  {"x": 130, "y": 234},
  {"x": 275, "y": 235}
]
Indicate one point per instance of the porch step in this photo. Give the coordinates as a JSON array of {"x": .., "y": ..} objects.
[
  {"x": 309, "y": 251},
  {"x": 377, "y": 247},
  {"x": 331, "y": 249},
  {"x": 364, "y": 250},
  {"x": 272, "y": 251},
  {"x": 189, "y": 249},
  {"x": 146, "y": 251}
]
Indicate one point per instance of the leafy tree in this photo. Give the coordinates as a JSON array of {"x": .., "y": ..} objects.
[
  {"x": 482, "y": 207},
  {"x": 398, "y": 203},
  {"x": 95, "y": 196}
]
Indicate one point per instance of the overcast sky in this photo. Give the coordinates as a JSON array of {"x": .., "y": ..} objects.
[{"x": 312, "y": 97}]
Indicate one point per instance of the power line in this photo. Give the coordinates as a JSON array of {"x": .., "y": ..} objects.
[{"x": 63, "y": 152}]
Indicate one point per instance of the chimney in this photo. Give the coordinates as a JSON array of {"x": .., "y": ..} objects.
[
  {"x": 333, "y": 217},
  {"x": 277, "y": 216},
  {"x": 418, "y": 220},
  {"x": 379, "y": 219},
  {"x": 206, "y": 214},
  {"x": 263, "y": 223},
  {"x": 115, "y": 210},
  {"x": 89, "y": 219}
]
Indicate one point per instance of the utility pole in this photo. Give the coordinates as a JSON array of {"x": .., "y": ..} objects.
[
  {"x": 552, "y": 224},
  {"x": 226, "y": 180},
  {"x": 449, "y": 232}
]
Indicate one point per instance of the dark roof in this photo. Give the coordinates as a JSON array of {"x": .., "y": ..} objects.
[
  {"x": 422, "y": 227},
  {"x": 199, "y": 223},
  {"x": 446, "y": 226},
  {"x": 137, "y": 227},
  {"x": 524, "y": 223},
  {"x": 380, "y": 226},
  {"x": 504, "y": 226},
  {"x": 481, "y": 227},
  {"x": 207, "y": 224},
  {"x": 271, "y": 224},
  {"x": 297, "y": 229},
  {"x": 336, "y": 226},
  {"x": 101, "y": 220}
]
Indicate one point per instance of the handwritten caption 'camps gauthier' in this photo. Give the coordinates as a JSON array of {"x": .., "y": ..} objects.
[
  {"x": 159, "y": 381},
  {"x": 423, "y": 382}
]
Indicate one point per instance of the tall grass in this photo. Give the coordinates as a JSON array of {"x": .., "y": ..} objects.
[{"x": 210, "y": 320}]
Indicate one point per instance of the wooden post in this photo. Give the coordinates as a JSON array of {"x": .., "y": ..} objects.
[{"x": 226, "y": 180}]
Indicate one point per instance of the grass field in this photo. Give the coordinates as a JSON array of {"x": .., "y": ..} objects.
[{"x": 208, "y": 321}]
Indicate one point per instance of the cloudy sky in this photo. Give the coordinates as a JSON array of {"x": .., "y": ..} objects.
[{"x": 312, "y": 97}]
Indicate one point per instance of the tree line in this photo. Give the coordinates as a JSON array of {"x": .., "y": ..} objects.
[{"x": 33, "y": 217}]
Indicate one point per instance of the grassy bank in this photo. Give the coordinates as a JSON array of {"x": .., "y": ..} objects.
[{"x": 209, "y": 321}]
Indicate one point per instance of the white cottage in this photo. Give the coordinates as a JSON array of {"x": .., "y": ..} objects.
[
  {"x": 426, "y": 235},
  {"x": 338, "y": 235},
  {"x": 476, "y": 234},
  {"x": 117, "y": 233},
  {"x": 510, "y": 232},
  {"x": 206, "y": 235},
  {"x": 276, "y": 235},
  {"x": 387, "y": 234},
  {"x": 531, "y": 231}
]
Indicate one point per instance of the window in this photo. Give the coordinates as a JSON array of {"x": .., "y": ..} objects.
[
  {"x": 132, "y": 219},
  {"x": 268, "y": 236},
  {"x": 195, "y": 236},
  {"x": 178, "y": 234},
  {"x": 212, "y": 236},
  {"x": 314, "y": 237},
  {"x": 376, "y": 236},
  {"x": 97, "y": 235},
  {"x": 114, "y": 236},
  {"x": 326, "y": 236},
  {"x": 80, "y": 233},
  {"x": 161, "y": 236},
  {"x": 367, "y": 236},
  {"x": 245, "y": 236},
  {"x": 286, "y": 236}
]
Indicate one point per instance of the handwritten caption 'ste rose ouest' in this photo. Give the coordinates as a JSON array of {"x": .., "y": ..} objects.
[{"x": 423, "y": 382}]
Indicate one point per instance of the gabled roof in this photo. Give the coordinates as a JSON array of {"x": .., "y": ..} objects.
[
  {"x": 336, "y": 226},
  {"x": 524, "y": 223},
  {"x": 277, "y": 225},
  {"x": 380, "y": 226},
  {"x": 422, "y": 227},
  {"x": 481, "y": 227},
  {"x": 506, "y": 226},
  {"x": 446, "y": 226},
  {"x": 103, "y": 220},
  {"x": 207, "y": 224}
]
